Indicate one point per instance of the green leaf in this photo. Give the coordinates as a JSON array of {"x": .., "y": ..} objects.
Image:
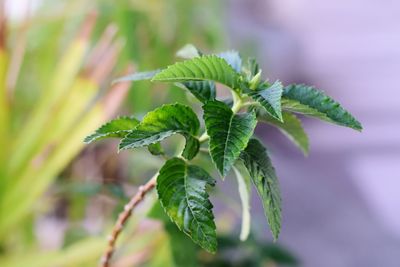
[
  {"x": 269, "y": 98},
  {"x": 156, "y": 149},
  {"x": 202, "y": 90},
  {"x": 291, "y": 128},
  {"x": 192, "y": 147},
  {"x": 309, "y": 101},
  {"x": 232, "y": 58},
  {"x": 205, "y": 68},
  {"x": 182, "y": 192},
  {"x": 162, "y": 123},
  {"x": 229, "y": 133},
  {"x": 137, "y": 76},
  {"x": 262, "y": 173},
  {"x": 116, "y": 128},
  {"x": 244, "y": 193}
]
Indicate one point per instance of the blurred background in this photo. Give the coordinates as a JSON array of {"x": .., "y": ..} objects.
[{"x": 59, "y": 198}]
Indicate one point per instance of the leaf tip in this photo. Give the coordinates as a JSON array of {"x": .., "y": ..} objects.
[
  {"x": 121, "y": 146},
  {"x": 358, "y": 127},
  {"x": 275, "y": 234},
  {"x": 87, "y": 140}
]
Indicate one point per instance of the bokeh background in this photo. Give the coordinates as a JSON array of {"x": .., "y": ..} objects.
[{"x": 340, "y": 204}]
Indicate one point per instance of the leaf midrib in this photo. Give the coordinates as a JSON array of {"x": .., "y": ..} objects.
[
  {"x": 226, "y": 143},
  {"x": 187, "y": 202}
]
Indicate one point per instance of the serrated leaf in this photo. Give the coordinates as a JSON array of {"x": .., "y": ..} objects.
[
  {"x": 269, "y": 98},
  {"x": 161, "y": 123},
  {"x": 244, "y": 194},
  {"x": 229, "y": 133},
  {"x": 291, "y": 128},
  {"x": 204, "y": 68},
  {"x": 116, "y": 128},
  {"x": 232, "y": 58},
  {"x": 262, "y": 173},
  {"x": 307, "y": 100},
  {"x": 202, "y": 90},
  {"x": 137, "y": 76},
  {"x": 182, "y": 192}
]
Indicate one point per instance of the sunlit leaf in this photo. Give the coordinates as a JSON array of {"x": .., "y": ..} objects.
[
  {"x": 205, "y": 68},
  {"x": 116, "y": 128}
]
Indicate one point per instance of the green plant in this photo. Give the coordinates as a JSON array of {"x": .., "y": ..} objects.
[
  {"x": 30, "y": 164},
  {"x": 229, "y": 126},
  {"x": 52, "y": 87}
]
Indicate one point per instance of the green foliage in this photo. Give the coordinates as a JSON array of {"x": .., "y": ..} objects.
[
  {"x": 202, "y": 90},
  {"x": 309, "y": 101},
  {"x": 263, "y": 175},
  {"x": 205, "y": 68},
  {"x": 182, "y": 192},
  {"x": 162, "y": 123},
  {"x": 52, "y": 92},
  {"x": 181, "y": 186},
  {"x": 291, "y": 128},
  {"x": 229, "y": 133},
  {"x": 117, "y": 128},
  {"x": 270, "y": 98}
]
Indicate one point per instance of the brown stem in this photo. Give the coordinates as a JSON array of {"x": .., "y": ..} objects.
[{"x": 123, "y": 218}]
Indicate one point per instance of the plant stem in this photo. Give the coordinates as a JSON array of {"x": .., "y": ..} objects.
[
  {"x": 204, "y": 137},
  {"x": 123, "y": 218},
  {"x": 247, "y": 104},
  {"x": 237, "y": 102}
]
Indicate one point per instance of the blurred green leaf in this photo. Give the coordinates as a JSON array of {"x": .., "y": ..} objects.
[
  {"x": 244, "y": 189},
  {"x": 291, "y": 127}
]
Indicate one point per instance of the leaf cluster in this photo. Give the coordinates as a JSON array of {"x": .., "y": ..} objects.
[{"x": 228, "y": 136}]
